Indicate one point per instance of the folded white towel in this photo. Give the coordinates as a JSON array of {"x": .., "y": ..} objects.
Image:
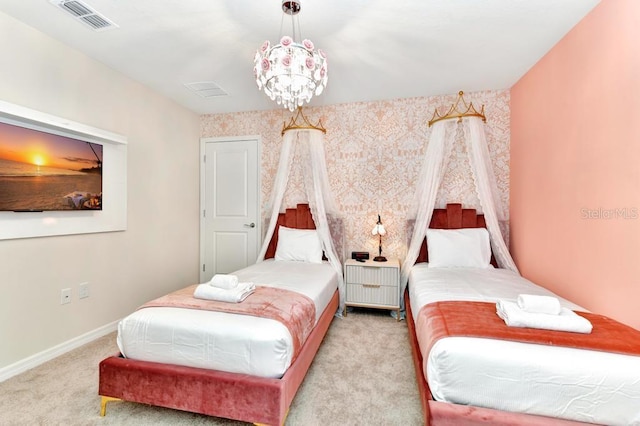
[
  {"x": 231, "y": 295},
  {"x": 224, "y": 281},
  {"x": 539, "y": 304},
  {"x": 567, "y": 320}
]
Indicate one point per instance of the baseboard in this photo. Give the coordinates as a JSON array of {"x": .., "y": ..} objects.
[{"x": 51, "y": 353}]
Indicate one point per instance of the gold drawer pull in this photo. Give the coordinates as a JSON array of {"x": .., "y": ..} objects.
[{"x": 370, "y": 286}]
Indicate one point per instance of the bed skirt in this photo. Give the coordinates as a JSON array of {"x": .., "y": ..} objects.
[{"x": 211, "y": 392}]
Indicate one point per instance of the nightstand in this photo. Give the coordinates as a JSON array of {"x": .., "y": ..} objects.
[{"x": 373, "y": 284}]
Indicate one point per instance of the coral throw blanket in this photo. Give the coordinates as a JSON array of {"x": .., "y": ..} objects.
[
  {"x": 479, "y": 319},
  {"x": 296, "y": 311}
]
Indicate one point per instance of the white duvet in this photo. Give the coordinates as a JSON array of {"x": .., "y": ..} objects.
[
  {"x": 569, "y": 383},
  {"x": 223, "y": 341}
]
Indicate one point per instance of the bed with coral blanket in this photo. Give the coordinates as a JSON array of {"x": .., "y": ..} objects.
[
  {"x": 239, "y": 362},
  {"x": 472, "y": 369}
]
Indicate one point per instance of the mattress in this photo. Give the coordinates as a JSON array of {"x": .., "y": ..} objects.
[
  {"x": 224, "y": 341},
  {"x": 521, "y": 377}
]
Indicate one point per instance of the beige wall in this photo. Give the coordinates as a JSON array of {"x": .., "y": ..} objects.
[
  {"x": 159, "y": 250},
  {"x": 575, "y": 179},
  {"x": 374, "y": 151}
]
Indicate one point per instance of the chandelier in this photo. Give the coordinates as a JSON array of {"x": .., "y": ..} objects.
[{"x": 291, "y": 72}]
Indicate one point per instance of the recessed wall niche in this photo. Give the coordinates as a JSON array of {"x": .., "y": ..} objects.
[{"x": 113, "y": 160}]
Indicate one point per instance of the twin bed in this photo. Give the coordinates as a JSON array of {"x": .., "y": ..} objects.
[
  {"x": 222, "y": 364},
  {"x": 523, "y": 376}
]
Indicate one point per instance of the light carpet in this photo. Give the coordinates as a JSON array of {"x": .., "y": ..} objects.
[{"x": 362, "y": 375}]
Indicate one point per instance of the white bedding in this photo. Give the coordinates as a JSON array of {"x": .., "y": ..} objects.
[
  {"x": 223, "y": 341},
  {"x": 569, "y": 383}
]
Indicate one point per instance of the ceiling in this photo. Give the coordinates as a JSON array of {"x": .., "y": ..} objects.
[{"x": 377, "y": 49}]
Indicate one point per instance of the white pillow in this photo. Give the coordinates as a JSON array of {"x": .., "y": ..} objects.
[
  {"x": 459, "y": 248},
  {"x": 298, "y": 244}
]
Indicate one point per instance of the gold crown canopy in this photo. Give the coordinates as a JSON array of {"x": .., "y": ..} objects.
[
  {"x": 467, "y": 110},
  {"x": 303, "y": 124}
]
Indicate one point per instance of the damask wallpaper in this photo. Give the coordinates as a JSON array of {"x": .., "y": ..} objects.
[{"x": 374, "y": 152}]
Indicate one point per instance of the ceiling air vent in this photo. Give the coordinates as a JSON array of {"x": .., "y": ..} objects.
[
  {"x": 85, "y": 14},
  {"x": 206, "y": 89}
]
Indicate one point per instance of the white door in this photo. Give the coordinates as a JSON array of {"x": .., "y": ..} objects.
[{"x": 230, "y": 223}]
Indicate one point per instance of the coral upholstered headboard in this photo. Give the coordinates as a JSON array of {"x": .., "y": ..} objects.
[
  {"x": 299, "y": 218},
  {"x": 453, "y": 217}
]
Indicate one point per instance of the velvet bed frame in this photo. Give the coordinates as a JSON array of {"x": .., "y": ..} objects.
[
  {"x": 217, "y": 393},
  {"x": 437, "y": 413}
]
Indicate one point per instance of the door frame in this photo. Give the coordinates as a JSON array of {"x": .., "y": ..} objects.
[{"x": 203, "y": 145}]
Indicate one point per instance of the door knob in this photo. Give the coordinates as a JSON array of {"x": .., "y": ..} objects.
[{"x": 250, "y": 225}]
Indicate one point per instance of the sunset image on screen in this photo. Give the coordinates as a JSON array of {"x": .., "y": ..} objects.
[
  {"x": 38, "y": 160},
  {"x": 42, "y": 171}
]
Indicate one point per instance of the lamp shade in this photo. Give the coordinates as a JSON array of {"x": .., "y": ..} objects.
[{"x": 378, "y": 229}]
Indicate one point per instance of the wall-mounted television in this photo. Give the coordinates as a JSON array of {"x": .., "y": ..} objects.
[{"x": 42, "y": 171}]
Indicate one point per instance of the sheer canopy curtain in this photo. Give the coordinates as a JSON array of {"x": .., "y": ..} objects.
[
  {"x": 309, "y": 143},
  {"x": 433, "y": 169}
]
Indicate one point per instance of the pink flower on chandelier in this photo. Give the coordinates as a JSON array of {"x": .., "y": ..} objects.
[
  {"x": 286, "y": 61},
  {"x": 265, "y": 46},
  {"x": 322, "y": 54},
  {"x": 265, "y": 64},
  {"x": 286, "y": 41},
  {"x": 308, "y": 44},
  {"x": 310, "y": 63}
]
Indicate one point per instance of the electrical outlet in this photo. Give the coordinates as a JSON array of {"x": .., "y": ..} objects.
[
  {"x": 65, "y": 296},
  {"x": 83, "y": 290}
]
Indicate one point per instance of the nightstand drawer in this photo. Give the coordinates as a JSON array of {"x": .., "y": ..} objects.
[
  {"x": 372, "y": 294},
  {"x": 372, "y": 275}
]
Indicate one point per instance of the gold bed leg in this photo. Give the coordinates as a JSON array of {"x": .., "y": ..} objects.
[
  {"x": 103, "y": 404},
  {"x": 283, "y": 420}
]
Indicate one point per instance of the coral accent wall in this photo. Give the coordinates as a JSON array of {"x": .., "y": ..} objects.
[
  {"x": 374, "y": 153},
  {"x": 575, "y": 175}
]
